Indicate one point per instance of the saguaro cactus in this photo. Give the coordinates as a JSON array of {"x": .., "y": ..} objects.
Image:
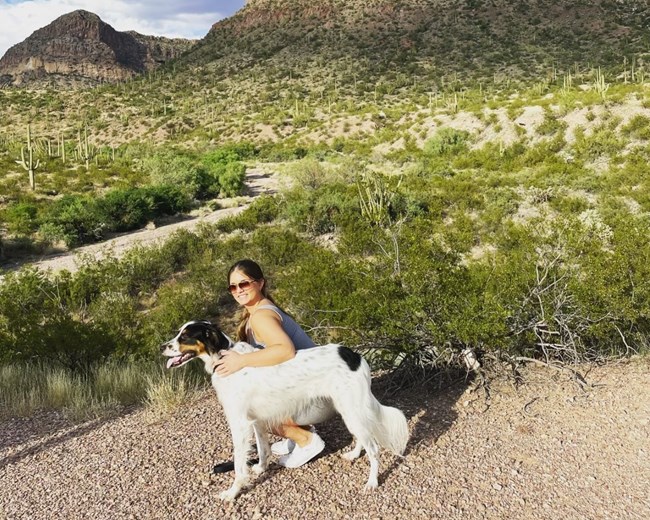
[
  {"x": 61, "y": 147},
  {"x": 28, "y": 162},
  {"x": 85, "y": 151},
  {"x": 599, "y": 84}
]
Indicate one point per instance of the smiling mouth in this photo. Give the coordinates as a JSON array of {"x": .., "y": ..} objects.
[{"x": 177, "y": 361}]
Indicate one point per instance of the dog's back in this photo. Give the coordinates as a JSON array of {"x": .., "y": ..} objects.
[
  {"x": 273, "y": 394},
  {"x": 330, "y": 374}
]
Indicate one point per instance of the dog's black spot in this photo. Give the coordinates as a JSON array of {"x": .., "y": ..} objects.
[{"x": 351, "y": 358}]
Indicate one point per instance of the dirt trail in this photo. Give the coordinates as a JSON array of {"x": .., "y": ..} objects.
[
  {"x": 258, "y": 182},
  {"x": 546, "y": 450}
]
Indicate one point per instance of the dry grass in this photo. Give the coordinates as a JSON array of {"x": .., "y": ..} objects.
[{"x": 26, "y": 388}]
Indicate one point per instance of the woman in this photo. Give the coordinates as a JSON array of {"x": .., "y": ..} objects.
[{"x": 277, "y": 336}]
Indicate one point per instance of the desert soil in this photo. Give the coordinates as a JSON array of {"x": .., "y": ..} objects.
[{"x": 544, "y": 450}]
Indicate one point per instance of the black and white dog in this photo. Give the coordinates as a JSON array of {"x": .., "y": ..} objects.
[{"x": 309, "y": 389}]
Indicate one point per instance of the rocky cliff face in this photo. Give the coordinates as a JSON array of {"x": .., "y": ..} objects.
[{"x": 80, "y": 48}]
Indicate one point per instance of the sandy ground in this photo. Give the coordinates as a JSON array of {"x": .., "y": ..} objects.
[{"x": 545, "y": 450}]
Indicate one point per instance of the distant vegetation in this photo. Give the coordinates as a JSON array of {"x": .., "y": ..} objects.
[{"x": 73, "y": 206}]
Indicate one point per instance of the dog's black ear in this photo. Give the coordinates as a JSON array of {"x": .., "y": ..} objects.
[{"x": 213, "y": 338}]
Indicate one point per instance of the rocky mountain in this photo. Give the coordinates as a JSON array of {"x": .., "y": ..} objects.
[
  {"x": 79, "y": 48},
  {"x": 469, "y": 37}
]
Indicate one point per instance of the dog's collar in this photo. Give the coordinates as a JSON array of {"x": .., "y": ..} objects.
[
  {"x": 219, "y": 355},
  {"x": 231, "y": 344}
]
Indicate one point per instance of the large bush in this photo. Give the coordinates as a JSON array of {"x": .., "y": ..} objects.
[
  {"x": 75, "y": 220},
  {"x": 225, "y": 172},
  {"x": 171, "y": 168},
  {"x": 80, "y": 219},
  {"x": 21, "y": 218},
  {"x": 125, "y": 210}
]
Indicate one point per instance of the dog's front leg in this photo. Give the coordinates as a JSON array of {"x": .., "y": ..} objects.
[
  {"x": 241, "y": 432},
  {"x": 263, "y": 448}
]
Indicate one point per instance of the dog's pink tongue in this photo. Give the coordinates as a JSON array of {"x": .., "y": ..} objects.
[{"x": 171, "y": 361}]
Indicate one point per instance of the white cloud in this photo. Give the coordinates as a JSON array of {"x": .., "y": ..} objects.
[{"x": 188, "y": 19}]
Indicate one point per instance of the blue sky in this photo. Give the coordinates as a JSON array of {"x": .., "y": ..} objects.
[{"x": 187, "y": 19}]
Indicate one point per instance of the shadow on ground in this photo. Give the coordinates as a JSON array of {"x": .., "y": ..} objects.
[
  {"x": 44, "y": 431},
  {"x": 429, "y": 409}
]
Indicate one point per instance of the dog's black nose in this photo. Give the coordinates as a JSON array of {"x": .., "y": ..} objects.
[{"x": 164, "y": 346}]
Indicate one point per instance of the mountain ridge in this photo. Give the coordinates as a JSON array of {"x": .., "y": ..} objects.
[
  {"x": 466, "y": 39},
  {"x": 80, "y": 48},
  {"x": 474, "y": 37}
]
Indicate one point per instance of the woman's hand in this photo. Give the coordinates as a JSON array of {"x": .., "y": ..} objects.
[{"x": 229, "y": 363}]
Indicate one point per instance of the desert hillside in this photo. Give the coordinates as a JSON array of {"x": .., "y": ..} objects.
[{"x": 458, "y": 191}]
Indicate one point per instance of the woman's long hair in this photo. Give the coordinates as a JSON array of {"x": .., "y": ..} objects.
[{"x": 254, "y": 272}]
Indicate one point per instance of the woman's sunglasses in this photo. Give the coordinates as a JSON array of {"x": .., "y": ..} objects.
[{"x": 242, "y": 286}]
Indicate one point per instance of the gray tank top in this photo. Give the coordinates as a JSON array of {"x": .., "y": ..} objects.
[{"x": 291, "y": 328}]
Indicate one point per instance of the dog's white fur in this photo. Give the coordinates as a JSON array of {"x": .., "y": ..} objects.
[{"x": 307, "y": 388}]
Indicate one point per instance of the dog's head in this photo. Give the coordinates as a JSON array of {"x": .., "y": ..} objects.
[{"x": 200, "y": 339}]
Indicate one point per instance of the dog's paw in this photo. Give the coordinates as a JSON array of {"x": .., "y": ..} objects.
[
  {"x": 229, "y": 495},
  {"x": 354, "y": 453},
  {"x": 351, "y": 455},
  {"x": 258, "y": 469},
  {"x": 371, "y": 485}
]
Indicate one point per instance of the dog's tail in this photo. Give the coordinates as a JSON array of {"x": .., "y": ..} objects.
[{"x": 390, "y": 428}]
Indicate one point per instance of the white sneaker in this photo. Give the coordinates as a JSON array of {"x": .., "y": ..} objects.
[
  {"x": 283, "y": 447},
  {"x": 286, "y": 446},
  {"x": 302, "y": 455}
]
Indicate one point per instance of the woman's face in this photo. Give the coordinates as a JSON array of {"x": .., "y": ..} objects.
[{"x": 245, "y": 293}]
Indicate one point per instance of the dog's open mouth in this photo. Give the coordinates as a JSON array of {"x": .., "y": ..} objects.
[{"x": 177, "y": 361}]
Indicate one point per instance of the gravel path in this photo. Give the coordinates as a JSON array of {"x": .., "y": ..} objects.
[{"x": 547, "y": 450}]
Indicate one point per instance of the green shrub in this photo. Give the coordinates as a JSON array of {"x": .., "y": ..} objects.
[
  {"x": 167, "y": 199},
  {"x": 170, "y": 168},
  {"x": 76, "y": 218},
  {"x": 604, "y": 141},
  {"x": 637, "y": 127},
  {"x": 310, "y": 173},
  {"x": 21, "y": 218},
  {"x": 123, "y": 210},
  {"x": 321, "y": 210},
  {"x": 28, "y": 298},
  {"x": 231, "y": 180},
  {"x": 446, "y": 141},
  {"x": 551, "y": 125},
  {"x": 225, "y": 173},
  {"x": 263, "y": 210}
]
